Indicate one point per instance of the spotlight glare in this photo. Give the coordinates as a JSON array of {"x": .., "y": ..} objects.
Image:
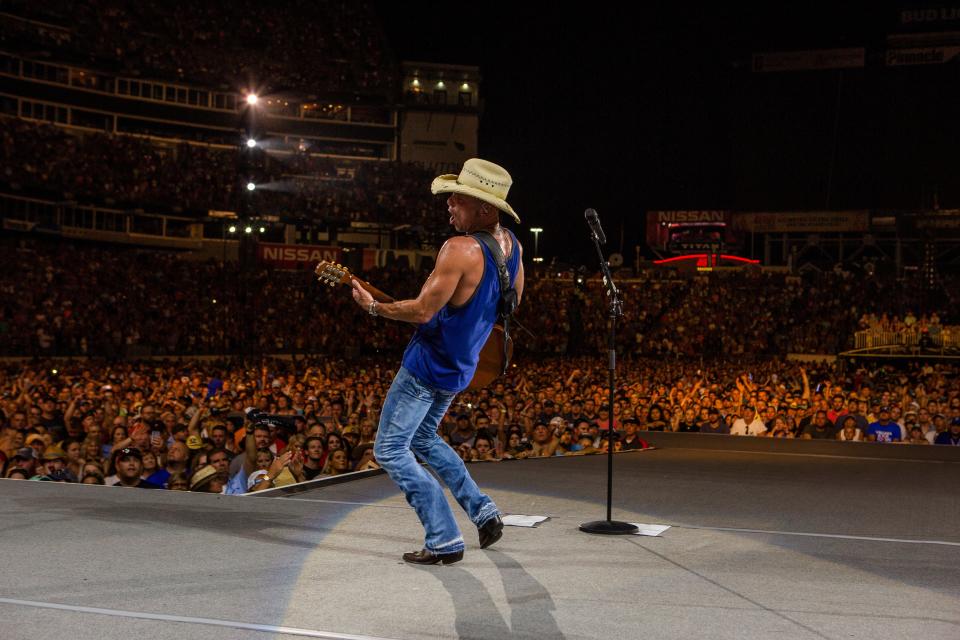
[
  {"x": 232, "y": 229},
  {"x": 248, "y": 230},
  {"x": 263, "y": 229},
  {"x": 251, "y": 186},
  {"x": 252, "y": 99},
  {"x": 251, "y": 143}
]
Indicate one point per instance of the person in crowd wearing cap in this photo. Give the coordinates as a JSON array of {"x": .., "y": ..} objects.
[
  {"x": 455, "y": 313},
  {"x": 543, "y": 441},
  {"x": 24, "y": 458},
  {"x": 129, "y": 465},
  {"x": 951, "y": 437},
  {"x": 884, "y": 429},
  {"x": 55, "y": 464},
  {"x": 17, "y": 473},
  {"x": 630, "y": 439},
  {"x": 463, "y": 432}
]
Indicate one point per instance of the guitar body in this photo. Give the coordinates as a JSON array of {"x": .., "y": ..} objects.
[
  {"x": 490, "y": 366},
  {"x": 491, "y": 362}
]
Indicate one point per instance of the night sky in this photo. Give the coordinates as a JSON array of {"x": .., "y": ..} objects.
[{"x": 628, "y": 113}]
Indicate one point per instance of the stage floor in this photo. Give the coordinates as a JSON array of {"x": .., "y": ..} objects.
[{"x": 762, "y": 545}]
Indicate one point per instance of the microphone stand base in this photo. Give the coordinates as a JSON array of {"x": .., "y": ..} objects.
[{"x": 609, "y": 527}]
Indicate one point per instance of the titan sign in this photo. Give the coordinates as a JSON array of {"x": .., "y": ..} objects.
[
  {"x": 299, "y": 256},
  {"x": 675, "y": 230}
]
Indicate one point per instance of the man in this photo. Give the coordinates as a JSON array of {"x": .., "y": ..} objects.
[
  {"x": 314, "y": 457},
  {"x": 463, "y": 432},
  {"x": 55, "y": 465},
  {"x": 25, "y": 458},
  {"x": 631, "y": 440},
  {"x": 821, "y": 428},
  {"x": 220, "y": 460},
  {"x": 951, "y": 437},
  {"x": 714, "y": 423},
  {"x": 178, "y": 458},
  {"x": 884, "y": 429},
  {"x": 748, "y": 425},
  {"x": 455, "y": 310},
  {"x": 129, "y": 467}
]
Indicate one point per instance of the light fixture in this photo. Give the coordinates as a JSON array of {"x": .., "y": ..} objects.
[
  {"x": 440, "y": 85},
  {"x": 252, "y": 99},
  {"x": 465, "y": 87},
  {"x": 248, "y": 230},
  {"x": 263, "y": 229},
  {"x": 251, "y": 186},
  {"x": 232, "y": 229},
  {"x": 251, "y": 143}
]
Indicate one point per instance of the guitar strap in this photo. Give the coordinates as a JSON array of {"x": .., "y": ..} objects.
[{"x": 508, "y": 294}]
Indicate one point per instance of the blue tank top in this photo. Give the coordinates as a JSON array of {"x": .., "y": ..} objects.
[{"x": 445, "y": 350}]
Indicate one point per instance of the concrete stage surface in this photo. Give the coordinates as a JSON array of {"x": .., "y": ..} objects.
[{"x": 762, "y": 545}]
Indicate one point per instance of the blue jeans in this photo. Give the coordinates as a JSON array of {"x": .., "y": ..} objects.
[{"x": 411, "y": 412}]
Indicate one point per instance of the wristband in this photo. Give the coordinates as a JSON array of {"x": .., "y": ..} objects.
[{"x": 372, "y": 309}]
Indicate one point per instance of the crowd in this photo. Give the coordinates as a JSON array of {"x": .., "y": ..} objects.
[
  {"x": 65, "y": 299},
  {"x": 126, "y": 172},
  {"x": 225, "y": 428},
  {"x": 215, "y": 44}
]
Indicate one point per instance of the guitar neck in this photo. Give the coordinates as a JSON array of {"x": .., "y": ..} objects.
[{"x": 378, "y": 295}]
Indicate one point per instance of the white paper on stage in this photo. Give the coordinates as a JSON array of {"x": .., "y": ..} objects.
[
  {"x": 516, "y": 520},
  {"x": 649, "y": 529}
]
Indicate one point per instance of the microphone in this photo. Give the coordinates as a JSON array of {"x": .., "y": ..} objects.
[{"x": 594, "y": 222}]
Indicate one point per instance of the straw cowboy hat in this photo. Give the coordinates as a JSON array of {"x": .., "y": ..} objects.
[{"x": 482, "y": 180}]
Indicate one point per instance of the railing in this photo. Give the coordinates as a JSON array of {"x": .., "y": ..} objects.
[{"x": 938, "y": 337}]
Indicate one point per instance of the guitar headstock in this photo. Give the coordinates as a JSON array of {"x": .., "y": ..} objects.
[{"x": 332, "y": 273}]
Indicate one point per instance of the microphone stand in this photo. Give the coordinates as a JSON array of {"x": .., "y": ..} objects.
[{"x": 609, "y": 526}]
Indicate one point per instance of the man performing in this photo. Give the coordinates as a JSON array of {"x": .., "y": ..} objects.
[{"x": 455, "y": 310}]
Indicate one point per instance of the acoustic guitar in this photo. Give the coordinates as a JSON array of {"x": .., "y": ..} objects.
[{"x": 491, "y": 362}]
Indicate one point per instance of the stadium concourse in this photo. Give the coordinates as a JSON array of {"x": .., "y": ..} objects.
[{"x": 766, "y": 538}]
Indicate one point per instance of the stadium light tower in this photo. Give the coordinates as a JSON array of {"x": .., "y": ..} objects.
[{"x": 536, "y": 231}]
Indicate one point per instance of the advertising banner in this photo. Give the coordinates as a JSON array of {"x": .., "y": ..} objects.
[
  {"x": 296, "y": 256},
  {"x": 803, "y": 222},
  {"x": 809, "y": 60},
  {"x": 706, "y": 229}
]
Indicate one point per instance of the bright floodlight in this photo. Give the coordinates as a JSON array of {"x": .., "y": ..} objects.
[
  {"x": 251, "y": 143},
  {"x": 252, "y": 99},
  {"x": 232, "y": 229},
  {"x": 248, "y": 230},
  {"x": 263, "y": 229},
  {"x": 251, "y": 186}
]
